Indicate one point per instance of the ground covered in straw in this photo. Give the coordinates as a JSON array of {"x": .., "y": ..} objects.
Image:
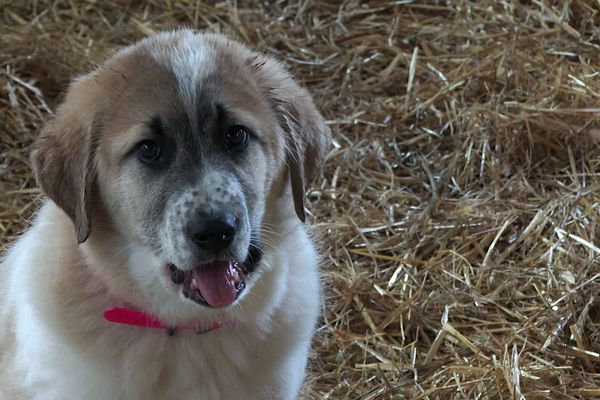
[{"x": 459, "y": 207}]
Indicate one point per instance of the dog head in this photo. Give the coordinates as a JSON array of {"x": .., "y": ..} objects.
[{"x": 171, "y": 158}]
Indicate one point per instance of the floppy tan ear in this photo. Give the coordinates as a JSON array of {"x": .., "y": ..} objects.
[
  {"x": 308, "y": 138},
  {"x": 62, "y": 156},
  {"x": 308, "y": 143}
]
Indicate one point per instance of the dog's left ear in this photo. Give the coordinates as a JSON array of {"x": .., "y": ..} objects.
[
  {"x": 308, "y": 144},
  {"x": 308, "y": 138}
]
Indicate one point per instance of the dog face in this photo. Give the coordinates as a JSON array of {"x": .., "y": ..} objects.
[{"x": 171, "y": 157}]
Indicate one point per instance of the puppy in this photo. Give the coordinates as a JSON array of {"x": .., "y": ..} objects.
[{"x": 170, "y": 260}]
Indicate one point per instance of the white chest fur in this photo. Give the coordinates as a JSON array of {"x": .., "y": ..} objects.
[
  {"x": 232, "y": 363},
  {"x": 262, "y": 357}
]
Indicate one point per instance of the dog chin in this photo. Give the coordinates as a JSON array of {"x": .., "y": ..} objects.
[{"x": 209, "y": 291}]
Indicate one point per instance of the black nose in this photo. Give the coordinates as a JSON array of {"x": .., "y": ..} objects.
[{"x": 212, "y": 233}]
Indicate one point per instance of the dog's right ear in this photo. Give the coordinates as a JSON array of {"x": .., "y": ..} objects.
[{"x": 63, "y": 154}]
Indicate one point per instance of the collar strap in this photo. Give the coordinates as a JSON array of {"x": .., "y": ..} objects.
[{"x": 129, "y": 316}]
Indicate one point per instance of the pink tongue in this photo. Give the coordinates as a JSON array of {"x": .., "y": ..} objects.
[{"x": 216, "y": 283}]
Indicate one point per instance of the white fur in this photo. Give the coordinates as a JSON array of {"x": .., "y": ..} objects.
[
  {"x": 261, "y": 357},
  {"x": 190, "y": 62}
]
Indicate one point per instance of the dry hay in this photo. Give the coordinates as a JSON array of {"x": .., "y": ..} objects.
[{"x": 459, "y": 206}]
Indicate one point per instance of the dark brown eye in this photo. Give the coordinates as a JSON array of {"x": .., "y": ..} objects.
[
  {"x": 148, "y": 151},
  {"x": 236, "y": 137}
]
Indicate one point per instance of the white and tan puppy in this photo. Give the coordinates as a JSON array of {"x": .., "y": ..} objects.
[{"x": 170, "y": 260}]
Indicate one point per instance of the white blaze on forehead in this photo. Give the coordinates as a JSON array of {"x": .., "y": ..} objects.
[
  {"x": 191, "y": 59},
  {"x": 192, "y": 62}
]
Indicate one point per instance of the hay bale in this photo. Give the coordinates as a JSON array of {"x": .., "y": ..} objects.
[{"x": 459, "y": 205}]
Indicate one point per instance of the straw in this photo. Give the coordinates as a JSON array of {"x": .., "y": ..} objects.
[{"x": 458, "y": 212}]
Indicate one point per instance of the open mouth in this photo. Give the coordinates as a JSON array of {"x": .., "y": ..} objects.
[{"x": 216, "y": 284}]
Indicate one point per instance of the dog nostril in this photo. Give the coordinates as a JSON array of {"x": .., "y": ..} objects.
[
  {"x": 199, "y": 237},
  {"x": 213, "y": 234}
]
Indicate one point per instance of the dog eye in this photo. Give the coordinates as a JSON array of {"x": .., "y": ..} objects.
[
  {"x": 148, "y": 151},
  {"x": 236, "y": 137}
]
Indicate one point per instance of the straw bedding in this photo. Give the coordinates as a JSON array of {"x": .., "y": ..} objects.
[{"x": 459, "y": 209}]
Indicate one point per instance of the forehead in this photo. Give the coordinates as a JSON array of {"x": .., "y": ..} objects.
[{"x": 186, "y": 74}]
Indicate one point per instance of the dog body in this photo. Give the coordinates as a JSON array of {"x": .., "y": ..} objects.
[{"x": 181, "y": 163}]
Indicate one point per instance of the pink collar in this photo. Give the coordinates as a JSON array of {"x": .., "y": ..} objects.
[{"x": 128, "y": 316}]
